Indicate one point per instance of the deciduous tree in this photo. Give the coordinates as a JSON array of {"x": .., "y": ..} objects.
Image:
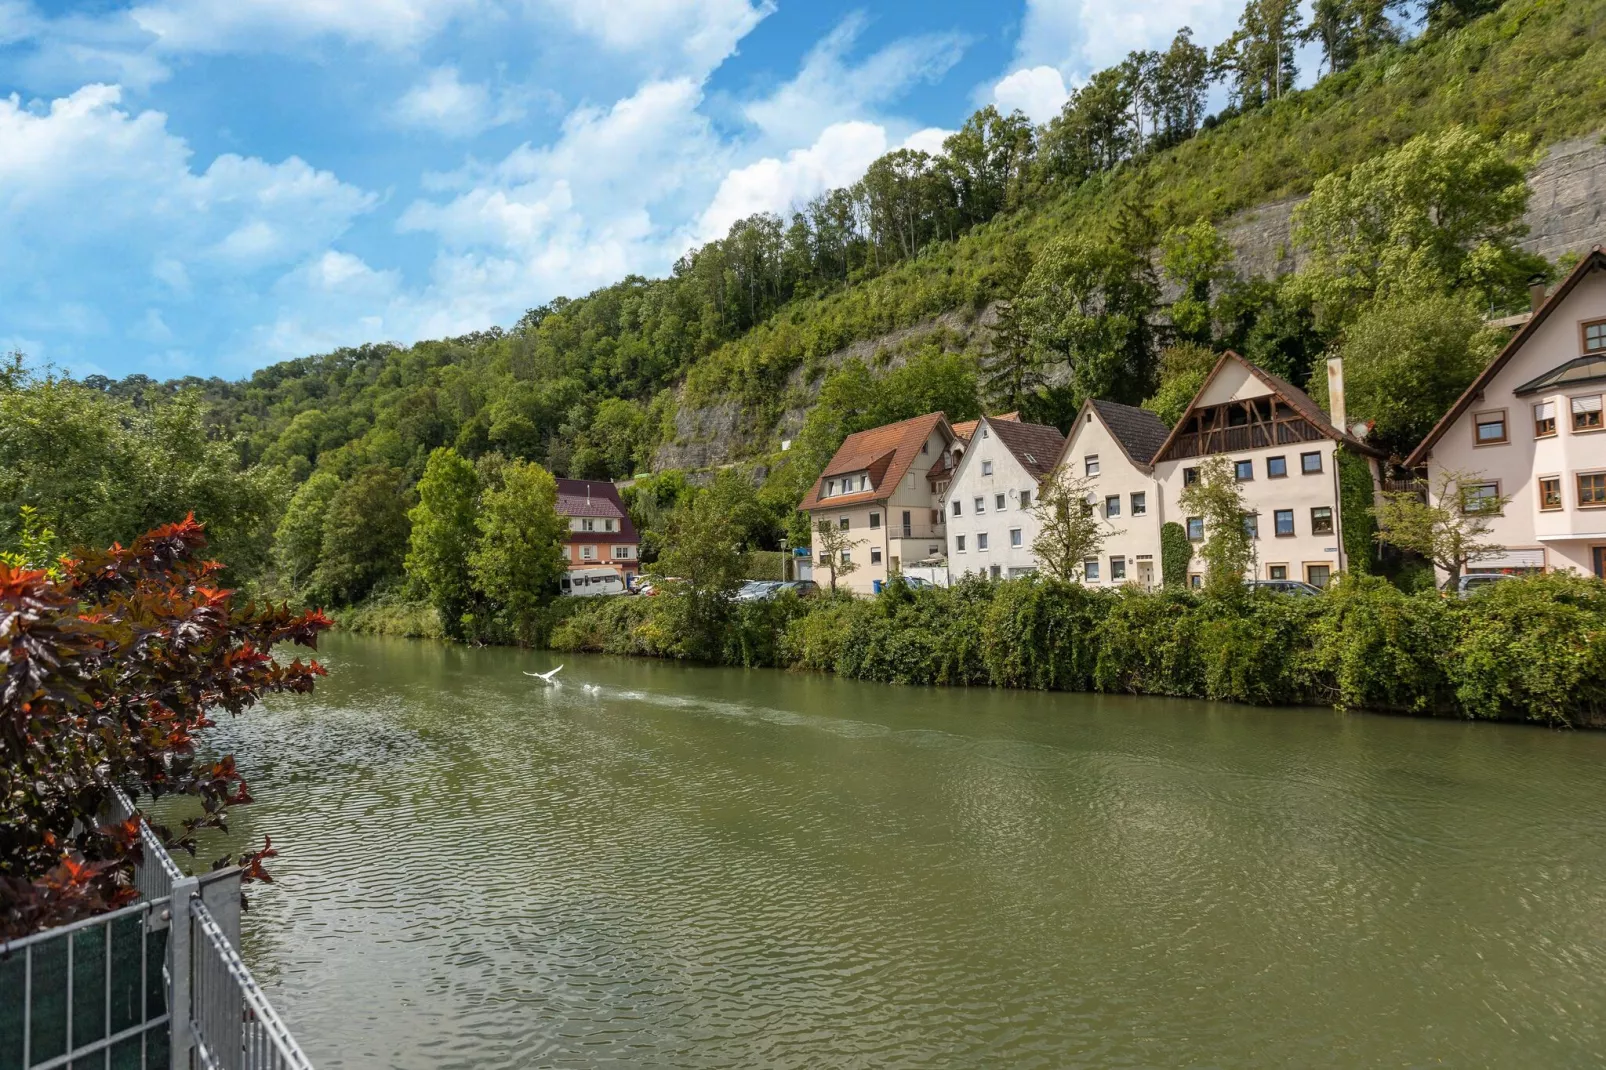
[
  {"x": 1069, "y": 531},
  {"x": 1453, "y": 533},
  {"x": 1228, "y": 550},
  {"x": 518, "y": 558},
  {"x": 444, "y": 533}
]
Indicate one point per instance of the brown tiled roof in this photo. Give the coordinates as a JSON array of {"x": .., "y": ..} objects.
[
  {"x": 886, "y": 452},
  {"x": 599, "y": 498},
  {"x": 1139, "y": 432},
  {"x": 1594, "y": 261},
  {"x": 1036, "y": 446},
  {"x": 965, "y": 429},
  {"x": 1288, "y": 392}
]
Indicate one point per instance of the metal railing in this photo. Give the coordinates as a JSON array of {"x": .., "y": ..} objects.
[{"x": 157, "y": 985}]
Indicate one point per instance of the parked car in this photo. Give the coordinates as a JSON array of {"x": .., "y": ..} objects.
[
  {"x": 918, "y": 583},
  {"x": 802, "y": 588},
  {"x": 758, "y": 590},
  {"x": 1296, "y": 588},
  {"x": 1473, "y": 582}
]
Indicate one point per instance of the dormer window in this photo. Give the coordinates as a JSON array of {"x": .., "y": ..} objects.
[{"x": 830, "y": 488}]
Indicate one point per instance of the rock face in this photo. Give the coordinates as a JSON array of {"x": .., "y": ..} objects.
[{"x": 1566, "y": 215}]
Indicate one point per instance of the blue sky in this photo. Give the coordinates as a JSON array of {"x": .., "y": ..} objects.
[{"x": 208, "y": 186}]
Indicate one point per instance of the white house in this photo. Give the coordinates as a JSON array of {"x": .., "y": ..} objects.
[
  {"x": 989, "y": 498},
  {"x": 1285, "y": 455},
  {"x": 1531, "y": 427}
]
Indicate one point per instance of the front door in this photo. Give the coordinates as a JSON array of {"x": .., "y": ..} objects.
[
  {"x": 1599, "y": 553},
  {"x": 1146, "y": 573}
]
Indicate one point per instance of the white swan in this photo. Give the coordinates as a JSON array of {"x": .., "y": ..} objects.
[{"x": 546, "y": 677}]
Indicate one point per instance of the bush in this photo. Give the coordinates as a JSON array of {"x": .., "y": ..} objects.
[{"x": 1175, "y": 553}]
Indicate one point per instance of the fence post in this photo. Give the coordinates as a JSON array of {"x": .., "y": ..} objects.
[{"x": 180, "y": 966}]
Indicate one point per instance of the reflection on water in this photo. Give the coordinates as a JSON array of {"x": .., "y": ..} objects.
[{"x": 680, "y": 867}]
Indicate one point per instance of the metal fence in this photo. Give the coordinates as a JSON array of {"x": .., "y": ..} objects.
[{"x": 102, "y": 993}]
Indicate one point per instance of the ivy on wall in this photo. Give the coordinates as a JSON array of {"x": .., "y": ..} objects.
[
  {"x": 1175, "y": 553},
  {"x": 1357, "y": 526}
]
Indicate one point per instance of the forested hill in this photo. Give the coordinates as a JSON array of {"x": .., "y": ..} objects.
[{"x": 1072, "y": 234}]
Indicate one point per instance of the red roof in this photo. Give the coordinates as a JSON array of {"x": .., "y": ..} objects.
[
  {"x": 886, "y": 453},
  {"x": 966, "y": 429},
  {"x": 598, "y": 498}
]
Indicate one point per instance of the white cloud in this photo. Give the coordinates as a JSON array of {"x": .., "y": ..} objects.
[
  {"x": 837, "y": 158},
  {"x": 676, "y": 36},
  {"x": 1038, "y": 91},
  {"x": 442, "y": 102},
  {"x": 220, "y": 25},
  {"x": 829, "y": 89}
]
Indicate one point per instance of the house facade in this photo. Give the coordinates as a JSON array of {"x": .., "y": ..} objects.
[
  {"x": 880, "y": 490},
  {"x": 988, "y": 500},
  {"x": 1531, "y": 428},
  {"x": 601, "y": 537},
  {"x": 1285, "y": 455}
]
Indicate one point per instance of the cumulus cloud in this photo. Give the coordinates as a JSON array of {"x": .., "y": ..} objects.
[
  {"x": 837, "y": 158},
  {"x": 1038, "y": 91},
  {"x": 445, "y": 104},
  {"x": 676, "y": 36}
]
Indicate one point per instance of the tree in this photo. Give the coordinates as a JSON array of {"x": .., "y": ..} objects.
[
  {"x": 835, "y": 547},
  {"x": 444, "y": 532},
  {"x": 1451, "y": 534},
  {"x": 1228, "y": 549},
  {"x": 1440, "y": 214},
  {"x": 1442, "y": 16},
  {"x": 298, "y": 542},
  {"x": 619, "y": 430},
  {"x": 1351, "y": 30},
  {"x": 1407, "y": 360},
  {"x": 1183, "y": 370},
  {"x": 1011, "y": 370},
  {"x": 364, "y": 535},
  {"x": 1197, "y": 260},
  {"x": 518, "y": 558},
  {"x": 112, "y": 673},
  {"x": 1259, "y": 57},
  {"x": 1181, "y": 81},
  {"x": 1069, "y": 531},
  {"x": 703, "y": 564}
]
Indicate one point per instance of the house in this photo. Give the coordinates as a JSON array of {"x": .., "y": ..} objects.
[
  {"x": 881, "y": 488},
  {"x": 1530, "y": 427},
  {"x": 601, "y": 538},
  {"x": 1285, "y": 454},
  {"x": 988, "y": 499}
]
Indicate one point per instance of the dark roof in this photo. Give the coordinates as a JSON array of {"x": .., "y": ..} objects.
[
  {"x": 1296, "y": 399},
  {"x": 1140, "y": 432},
  {"x": 1036, "y": 446},
  {"x": 1594, "y": 261},
  {"x": 1576, "y": 372},
  {"x": 595, "y": 497},
  {"x": 886, "y": 453},
  {"x": 966, "y": 428}
]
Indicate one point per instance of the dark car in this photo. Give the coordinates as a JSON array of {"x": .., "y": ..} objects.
[{"x": 1296, "y": 588}]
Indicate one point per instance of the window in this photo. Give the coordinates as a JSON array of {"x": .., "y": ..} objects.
[
  {"x": 956, "y": 507},
  {"x": 875, "y": 521},
  {"x": 981, "y": 541},
  {"x": 847, "y": 557},
  {"x": 1318, "y": 575},
  {"x": 1550, "y": 492},
  {"x": 830, "y": 488},
  {"x": 1586, "y": 413},
  {"x": 979, "y": 505},
  {"x": 1544, "y": 419},
  {"x": 1190, "y": 476},
  {"x": 1481, "y": 498},
  {"x": 986, "y": 468},
  {"x": 1276, "y": 572},
  {"x": 1117, "y": 569},
  {"x": 1243, "y": 471},
  {"x": 959, "y": 544},
  {"x": 1252, "y": 525},
  {"x": 984, "y": 432},
  {"x": 1195, "y": 580},
  {"x": 1140, "y": 503},
  {"x": 925, "y": 447},
  {"x": 1090, "y": 569},
  {"x": 1489, "y": 428},
  {"x": 621, "y": 553},
  {"x": 1025, "y": 499},
  {"x": 936, "y": 517},
  {"x": 998, "y": 503},
  {"x": 1090, "y": 464},
  {"x": 1112, "y": 505},
  {"x": 1321, "y": 520},
  {"x": 1014, "y": 537},
  {"x": 588, "y": 553},
  {"x": 1595, "y": 336},
  {"x": 842, "y": 523},
  {"x": 1283, "y": 522},
  {"x": 1310, "y": 463},
  {"x": 588, "y": 525},
  {"x": 825, "y": 560},
  {"x": 607, "y": 525},
  {"x": 1276, "y": 467},
  {"x": 995, "y": 572},
  {"x": 1591, "y": 490},
  {"x": 875, "y": 555},
  {"x": 1196, "y": 529}
]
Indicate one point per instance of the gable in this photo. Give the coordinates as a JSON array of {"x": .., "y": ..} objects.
[{"x": 1234, "y": 382}]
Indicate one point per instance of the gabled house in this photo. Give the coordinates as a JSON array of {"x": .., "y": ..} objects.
[
  {"x": 988, "y": 502},
  {"x": 878, "y": 488},
  {"x": 601, "y": 536},
  {"x": 1531, "y": 427},
  {"x": 1112, "y": 445}
]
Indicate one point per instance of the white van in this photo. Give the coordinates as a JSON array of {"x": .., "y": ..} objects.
[{"x": 589, "y": 582}]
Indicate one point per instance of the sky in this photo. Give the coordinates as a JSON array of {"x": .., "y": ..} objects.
[{"x": 206, "y": 187}]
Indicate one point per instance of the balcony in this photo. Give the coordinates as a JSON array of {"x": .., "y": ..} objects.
[{"x": 915, "y": 531}]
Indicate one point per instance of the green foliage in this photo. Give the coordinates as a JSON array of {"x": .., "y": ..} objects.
[
  {"x": 1228, "y": 550},
  {"x": 34, "y": 545},
  {"x": 1184, "y": 368},
  {"x": 1176, "y": 552},
  {"x": 1355, "y": 503},
  {"x": 702, "y": 564},
  {"x": 388, "y": 614},
  {"x": 519, "y": 555},
  {"x": 1198, "y": 261},
  {"x": 1042, "y": 635},
  {"x": 1069, "y": 530},
  {"x": 444, "y": 533},
  {"x": 298, "y": 542},
  {"x": 364, "y": 535}
]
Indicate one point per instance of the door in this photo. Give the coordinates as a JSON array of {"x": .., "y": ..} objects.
[
  {"x": 1599, "y": 553},
  {"x": 1146, "y": 573}
]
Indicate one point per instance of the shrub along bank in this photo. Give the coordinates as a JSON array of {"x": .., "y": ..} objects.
[{"x": 1528, "y": 650}]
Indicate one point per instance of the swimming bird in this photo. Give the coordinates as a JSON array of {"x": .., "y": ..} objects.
[
  {"x": 546, "y": 677},
  {"x": 590, "y": 689}
]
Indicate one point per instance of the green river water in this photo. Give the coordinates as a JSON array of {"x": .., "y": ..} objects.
[{"x": 663, "y": 866}]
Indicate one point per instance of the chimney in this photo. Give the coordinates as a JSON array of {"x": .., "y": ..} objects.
[
  {"x": 1335, "y": 392},
  {"x": 1536, "y": 292}
]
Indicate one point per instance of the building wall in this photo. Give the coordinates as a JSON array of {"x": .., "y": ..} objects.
[
  {"x": 1000, "y": 559},
  {"x": 1135, "y": 540},
  {"x": 574, "y": 553},
  {"x": 1566, "y": 538}
]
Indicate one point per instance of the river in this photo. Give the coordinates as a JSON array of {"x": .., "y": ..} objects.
[{"x": 655, "y": 865}]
